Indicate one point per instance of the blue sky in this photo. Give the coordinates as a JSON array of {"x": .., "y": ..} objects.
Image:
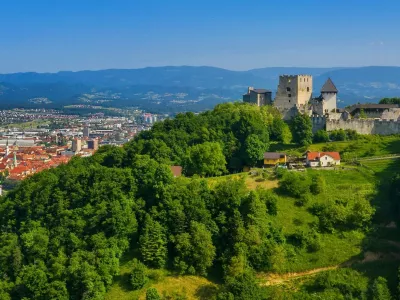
[{"x": 53, "y": 35}]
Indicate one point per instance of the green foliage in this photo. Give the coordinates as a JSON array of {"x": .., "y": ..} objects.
[
  {"x": 229, "y": 124},
  {"x": 342, "y": 215},
  {"x": 280, "y": 131},
  {"x": 311, "y": 240},
  {"x": 349, "y": 283},
  {"x": 195, "y": 250},
  {"x": 301, "y": 128},
  {"x": 362, "y": 114},
  {"x": 152, "y": 294},
  {"x": 338, "y": 135},
  {"x": 206, "y": 160},
  {"x": 321, "y": 136},
  {"x": 318, "y": 184},
  {"x": 254, "y": 150},
  {"x": 242, "y": 287},
  {"x": 139, "y": 275},
  {"x": 390, "y": 101},
  {"x": 153, "y": 243},
  {"x": 294, "y": 184},
  {"x": 380, "y": 290}
]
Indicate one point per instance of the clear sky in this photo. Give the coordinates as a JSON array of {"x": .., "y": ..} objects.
[{"x": 53, "y": 35}]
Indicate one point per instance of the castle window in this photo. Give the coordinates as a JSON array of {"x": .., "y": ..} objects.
[
  {"x": 289, "y": 101},
  {"x": 308, "y": 89},
  {"x": 290, "y": 95},
  {"x": 288, "y": 89}
]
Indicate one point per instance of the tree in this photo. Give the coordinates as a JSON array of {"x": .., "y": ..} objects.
[
  {"x": 362, "y": 114},
  {"x": 280, "y": 131},
  {"x": 153, "y": 243},
  {"x": 152, "y": 294},
  {"x": 390, "y": 101},
  {"x": 301, "y": 127},
  {"x": 321, "y": 136},
  {"x": 244, "y": 287},
  {"x": 206, "y": 159},
  {"x": 294, "y": 184},
  {"x": 138, "y": 275},
  {"x": 318, "y": 184},
  {"x": 195, "y": 250},
  {"x": 254, "y": 150},
  {"x": 380, "y": 290}
]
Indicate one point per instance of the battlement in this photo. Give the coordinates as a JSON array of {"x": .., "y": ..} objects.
[{"x": 295, "y": 76}]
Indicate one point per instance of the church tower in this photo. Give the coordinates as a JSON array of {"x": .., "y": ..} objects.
[{"x": 7, "y": 149}]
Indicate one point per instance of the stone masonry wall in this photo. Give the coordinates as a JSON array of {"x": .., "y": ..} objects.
[{"x": 366, "y": 126}]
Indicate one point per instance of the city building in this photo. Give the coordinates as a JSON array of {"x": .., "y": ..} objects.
[
  {"x": 86, "y": 131},
  {"x": 260, "y": 97},
  {"x": 93, "y": 144},
  {"x": 76, "y": 145}
]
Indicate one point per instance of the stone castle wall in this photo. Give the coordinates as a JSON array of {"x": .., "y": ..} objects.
[
  {"x": 365, "y": 126},
  {"x": 318, "y": 122}
]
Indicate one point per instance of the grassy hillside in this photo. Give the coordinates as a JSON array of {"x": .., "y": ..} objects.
[{"x": 353, "y": 248}]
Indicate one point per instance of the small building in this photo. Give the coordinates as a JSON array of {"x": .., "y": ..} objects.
[
  {"x": 273, "y": 158},
  {"x": 322, "y": 159},
  {"x": 176, "y": 171},
  {"x": 260, "y": 97}
]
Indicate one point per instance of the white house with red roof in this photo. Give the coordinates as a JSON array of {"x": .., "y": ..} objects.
[{"x": 322, "y": 159}]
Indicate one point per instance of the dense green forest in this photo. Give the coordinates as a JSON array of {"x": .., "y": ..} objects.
[{"x": 65, "y": 231}]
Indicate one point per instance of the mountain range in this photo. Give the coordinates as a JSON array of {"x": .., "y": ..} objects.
[{"x": 184, "y": 88}]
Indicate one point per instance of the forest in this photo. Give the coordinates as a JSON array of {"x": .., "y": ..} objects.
[{"x": 65, "y": 231}]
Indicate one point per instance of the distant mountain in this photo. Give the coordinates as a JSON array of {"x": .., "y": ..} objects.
[{"x": 183, "y": 88}]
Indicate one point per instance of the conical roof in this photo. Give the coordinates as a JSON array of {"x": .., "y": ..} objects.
[{"x": 329, "y": 87}]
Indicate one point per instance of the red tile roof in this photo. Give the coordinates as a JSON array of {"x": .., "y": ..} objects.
[
  {"x": 176, "y": 170},
  {"x": 317, "y": 155}
]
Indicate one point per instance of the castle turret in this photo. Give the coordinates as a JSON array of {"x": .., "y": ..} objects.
[{"x": 329, "y": 94}]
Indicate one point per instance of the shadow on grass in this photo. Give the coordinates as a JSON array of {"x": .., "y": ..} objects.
[{"x": 205, "y": 292}]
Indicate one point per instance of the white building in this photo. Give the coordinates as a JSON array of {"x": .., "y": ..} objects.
[{"x": 322, "y": 159}]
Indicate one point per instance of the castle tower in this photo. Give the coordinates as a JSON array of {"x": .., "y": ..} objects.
[
  {"x": 293, "y": 94},
  {"x": 329, "y": 94}
]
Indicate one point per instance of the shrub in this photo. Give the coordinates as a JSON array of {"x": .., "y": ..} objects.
[
  {"x": 310, "y": 241},
  {"x": 321, "y": 136},
  {"x": 350, "y": 283},
  {"x": 318, "y": 184},
  {"x": 294, "y": 184},
  {"x": 152, "y": 294},
  {"x": 302, "y": 200},
  {"x": 380, "y": 290},
  {"x": 138, "y": 275},
  {"x": 270, "y": 200}
]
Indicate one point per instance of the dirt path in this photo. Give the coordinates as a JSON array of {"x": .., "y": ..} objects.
[{"x": 276, "y": 279}]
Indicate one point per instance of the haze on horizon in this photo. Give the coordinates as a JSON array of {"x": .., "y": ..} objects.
[{"x": 49, "y": 36}]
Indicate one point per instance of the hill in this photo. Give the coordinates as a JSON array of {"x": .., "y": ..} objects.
[
  {"x": 186, "y": 88},
  {"x": 119, "y": 225}
]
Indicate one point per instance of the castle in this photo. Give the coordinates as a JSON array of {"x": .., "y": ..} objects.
[{"x": 294, "y": 96}]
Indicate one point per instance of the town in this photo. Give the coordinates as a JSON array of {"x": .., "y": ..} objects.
[{"x": 32, "y": 140}]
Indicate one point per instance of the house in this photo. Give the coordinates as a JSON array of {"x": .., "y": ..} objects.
[
  {"x": 273, "y": 158},
  {"x": 322, "y": 159},
  {"x": 176, "y": 171}
]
